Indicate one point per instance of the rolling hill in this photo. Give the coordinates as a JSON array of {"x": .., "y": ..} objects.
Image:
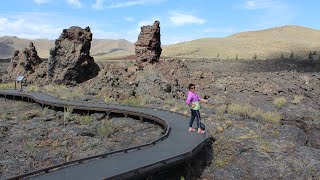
[
  {"x": 265, "y": 44},
  {"x": 268, "y": 43},
  {"x": 99, "y": 47}
]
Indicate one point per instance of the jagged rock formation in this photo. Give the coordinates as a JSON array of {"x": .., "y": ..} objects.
[
  {"x": 24, "y": 62},
  {"x": 70, "y": 61},
  {"x": 148, "y": 47}
]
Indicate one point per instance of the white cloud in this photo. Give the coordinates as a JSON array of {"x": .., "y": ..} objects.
[
  {"x": 261, "y": 4},
  {"x": 26, "y": 28},
  {"x": 145, "y": 23},
  {"x": 75, "y": 3},
  {"x": 98, "y": 5},
  {"x": 179, "y": 19},
  {"x": 128, "y": 3},
  {"x": 130, "y": 19},
  {"x": 41, "y": 1}
]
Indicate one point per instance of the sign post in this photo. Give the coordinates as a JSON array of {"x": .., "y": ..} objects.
[{"x": 19, "y": 79}]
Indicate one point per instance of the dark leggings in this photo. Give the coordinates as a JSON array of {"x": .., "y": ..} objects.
[{"x": 195, "y": 114}]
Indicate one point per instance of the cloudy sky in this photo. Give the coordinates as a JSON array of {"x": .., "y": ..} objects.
[{"x": 180, "y": 20}]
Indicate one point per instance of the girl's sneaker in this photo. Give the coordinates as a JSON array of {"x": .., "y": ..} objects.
[
  {"x": 191, "y": 129},
  {"x": 201, "y": 131}
]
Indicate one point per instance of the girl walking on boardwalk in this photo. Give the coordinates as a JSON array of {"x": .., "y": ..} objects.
[{"x": 193, "y": 102}]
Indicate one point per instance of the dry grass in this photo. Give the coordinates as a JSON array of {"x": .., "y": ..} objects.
[
  {"x": 297, "y": 99},
  {"x": 279, "y": 102},
  {"x": 85, "y": 120},
  {"x": 246, "y": 110},
  {"x": 105, "y": 129},
  {"x": 64, "y": 92},
  {"x": 59, "y": 91},
  {"x": 67, "y": 115},
  {"x": 6, "y": 86},
  {"x": 270, "y": 43},
  {"x": 6, "y": 116}
]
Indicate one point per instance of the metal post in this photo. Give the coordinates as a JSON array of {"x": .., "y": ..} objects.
[
  {"x": 21, "y": 84},
  {"x": 15, "y": 85}
]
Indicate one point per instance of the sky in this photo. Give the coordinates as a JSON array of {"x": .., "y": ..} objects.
[{"x": 180, "y": 20}]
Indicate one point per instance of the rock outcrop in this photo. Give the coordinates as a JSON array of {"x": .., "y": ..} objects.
[
  {"x": 148, "y": 47},
  {"x": 70, "y": 61},
  {"x": 24, "y": 62}
]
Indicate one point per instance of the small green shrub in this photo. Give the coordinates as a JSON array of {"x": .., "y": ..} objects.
[
  {"x": 105, "y": 129},
  {"x": 86, "y": 120},
  {"x": 5, "y": 116},
  {"x": 45, "y": 111},
  {"x": 24, "y": 116},
  {"x": 280, "y": 102},
  {"x": 67, "y": 115}
]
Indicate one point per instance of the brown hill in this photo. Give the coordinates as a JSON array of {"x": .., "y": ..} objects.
[
  {"x": 99, "y": 47},
  {"x": 8, "y": 44},
  {"x": 268, "y": 43}
]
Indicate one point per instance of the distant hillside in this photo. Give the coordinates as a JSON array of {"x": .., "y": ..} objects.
[
  {"x": 8, "y": 44},
  {"x": 269, "y": 43},
  {"x": 99, "y": 47}
]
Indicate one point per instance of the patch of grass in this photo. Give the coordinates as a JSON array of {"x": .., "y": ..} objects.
[
  {"x": 45, "y": 111},
  {"x": 105, "y": 129},
  {"x": 223, "y": 162},
  {"x": 275, "y": 133},
  {"x": 249, "y": 111},
  {"x": 219, "y": 117},
  {"x": 24, "y": 116},
  {"x": 170, "y": 102},
  {"x": 5, "y": 116},
  {"x": 222, "y": 109},
  {"x": 86, "y": 120},
  {"x": 297, "y": 99},
  {"x": 224, "y": 153},
  {"x": 315, "y": 115},
  {"x": 131, "y": 101},
  {"x": 67, "y": 115},
  {"x": 272, "y": 117},
  {"x": 280, "y": 102},
  {"x": 109, "y": 100},
  {"x": 64, "y": 92},
  {"x": 33, "y": 88},
  {"x": 6, "y": 85}
]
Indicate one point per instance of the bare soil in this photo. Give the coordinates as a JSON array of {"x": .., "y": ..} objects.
[{"x": 33, "y": 138}]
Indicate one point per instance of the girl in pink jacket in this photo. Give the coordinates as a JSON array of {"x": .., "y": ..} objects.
[{"x": 193, "y": 102}]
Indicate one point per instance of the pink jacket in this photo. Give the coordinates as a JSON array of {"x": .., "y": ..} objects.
[{"x": 192, "y": 97}]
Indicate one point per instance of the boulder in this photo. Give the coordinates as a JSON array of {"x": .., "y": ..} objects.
[
  {"x": 70, "y": 61},
  {"x": 148, "y": 47},
  {"x": 24, "y": 62}
]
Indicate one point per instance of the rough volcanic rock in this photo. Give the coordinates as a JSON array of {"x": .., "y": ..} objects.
[
  {"x": 148, "y": 47},
  {"x": 24, "y": 62},
  {"x": 70, "y": 60}
]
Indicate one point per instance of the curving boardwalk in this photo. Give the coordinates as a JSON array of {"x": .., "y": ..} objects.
[{"x": 176, "y": 145}]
